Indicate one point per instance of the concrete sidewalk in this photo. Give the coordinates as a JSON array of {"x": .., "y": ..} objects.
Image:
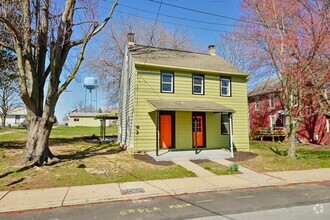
[{"x": 79, "y": 195}]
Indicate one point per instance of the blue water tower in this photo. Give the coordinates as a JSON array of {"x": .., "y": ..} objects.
[{"x": 90, "y": 84}]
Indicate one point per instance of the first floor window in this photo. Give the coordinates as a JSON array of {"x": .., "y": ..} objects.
[
  {"x": 328, "y": 125},
  {"x": 225, "y": 86},
  {"x": 256, "y": 100},
  {"x": 225, "y": 128},
  {"x": 76, "y": 119},
  {"x": 167, "y": 82},
  {"x": 198, "y": 84},
  {"x": 273, "y": 121}
]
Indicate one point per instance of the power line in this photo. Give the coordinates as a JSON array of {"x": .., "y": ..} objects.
[
  {"x": 181, "y": 18},
  {"x": 182, "y": 25},
  {"x": 207, "y": 13}
]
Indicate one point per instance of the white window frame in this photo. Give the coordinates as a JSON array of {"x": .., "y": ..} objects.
[
  {"x": 201, "y": 85},
  {"x": 257, "y": 103},
  {"x": 328, "y": 125},
  {"x": 271, "y": 101},
  {"x": 228, "y": 87},
  {"x": 168, "y": 83},
  {"x": 271, "y": 120},
  {"x": 294, "y": 100}
]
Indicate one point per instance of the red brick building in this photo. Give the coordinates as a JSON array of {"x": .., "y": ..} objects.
[{"x": 266, "y": 113}]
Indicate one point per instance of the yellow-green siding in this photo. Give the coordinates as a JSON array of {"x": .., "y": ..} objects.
[
  {"x": 147, "y": 87},
  {"x": 84, "y": 121}
]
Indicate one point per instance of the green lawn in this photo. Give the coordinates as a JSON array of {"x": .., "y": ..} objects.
[
  {"x": 78, "y": 152},
  {"x": 269, "y": 156}
]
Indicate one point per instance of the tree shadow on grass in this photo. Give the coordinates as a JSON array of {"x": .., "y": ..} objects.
[
  {"x": 16, "y": 171},
  {"x": 92, "y": 151},
  {"x": 279, "y": 152}
]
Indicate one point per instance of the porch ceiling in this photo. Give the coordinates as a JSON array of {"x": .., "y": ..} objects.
[{"x": 194, "y": 106}]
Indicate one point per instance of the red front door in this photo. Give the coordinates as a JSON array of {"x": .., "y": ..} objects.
[
  {"x": 198, "y": 130},
  {"x": 166, "y": 130}
]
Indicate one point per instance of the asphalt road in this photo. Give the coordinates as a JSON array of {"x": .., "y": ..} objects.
[{"x": 304, "y": 201}]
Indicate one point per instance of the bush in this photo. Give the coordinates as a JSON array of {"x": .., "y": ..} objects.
[{"x": 233, "y": 168}]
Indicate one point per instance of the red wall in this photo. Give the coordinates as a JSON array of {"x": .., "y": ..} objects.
[{"x": 312, "y": 129}]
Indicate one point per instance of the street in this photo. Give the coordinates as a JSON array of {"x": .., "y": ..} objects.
[{"x": 302, "y": 201}]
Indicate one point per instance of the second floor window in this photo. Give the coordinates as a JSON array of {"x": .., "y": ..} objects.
[
  {"x": 225, "y": 84},
  {"x": 198, "y": 84},
  {"x": 272, "y": 101},
  {"x": 167, "y": 82},
  {"x": 256, "y": 99}
]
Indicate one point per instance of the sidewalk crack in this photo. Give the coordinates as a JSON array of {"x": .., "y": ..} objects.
[
  {"x": 4, "y": 195},
  {"x": 65, "y": 195}
]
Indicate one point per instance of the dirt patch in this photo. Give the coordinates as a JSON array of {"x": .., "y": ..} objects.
[
  {"x": 200, "y": 161},
  {"x": 146, "y": 158},
  {"x": 243, "y": 156}
]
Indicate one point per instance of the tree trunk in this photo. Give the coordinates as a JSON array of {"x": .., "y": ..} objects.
[
  {"x": 3, "y": 121},
  {"x": 292, "y": 146},
  {"x": 37, "y": 150}
]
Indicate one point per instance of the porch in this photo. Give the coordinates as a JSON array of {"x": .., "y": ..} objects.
[{"x": 198, "y": 129}]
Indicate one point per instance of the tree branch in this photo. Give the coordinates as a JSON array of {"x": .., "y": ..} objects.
[
  {"x": 98, "y": 28},
  {"x": 9, "y": 47}
]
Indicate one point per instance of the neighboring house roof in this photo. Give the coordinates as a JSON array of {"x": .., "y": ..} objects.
[
  {"x": 85, "y": 114},
  {"x": 268, "y": 86},
  {"x": 189, "y": 106},
  {"x": 18, "y": 111},
  {"x": 151, "y": 56}
]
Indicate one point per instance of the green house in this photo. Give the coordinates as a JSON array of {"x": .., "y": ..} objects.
[{"x": 181, "y": 100}]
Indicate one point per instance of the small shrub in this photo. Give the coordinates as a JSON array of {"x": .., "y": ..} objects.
[
  {"x": 233, "y": 168},
  {"x": 208, "y": 168}
]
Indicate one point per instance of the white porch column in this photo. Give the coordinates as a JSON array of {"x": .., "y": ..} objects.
[{"x": 231, "y": 135}]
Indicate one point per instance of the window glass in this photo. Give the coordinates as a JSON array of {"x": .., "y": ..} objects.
[
  {"x": 272, "y": 101},
  {"x": 224, "y": 123},
  {"x": 273, "y": 121},
  {"x": 167, "y": 82},
  {"x": 225, "y": 86},
  {"x": 198, "y": 83},
  {"x": 257, "y": 102}
]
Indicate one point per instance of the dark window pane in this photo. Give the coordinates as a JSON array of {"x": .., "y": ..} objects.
[
  {"x": 224, "y": 90},
  {"x": 167, "y": 78},
  {"x": 167, "y": 87},
  {"x": 198, "y": 89},
  {"x": 197, "y": 80}
]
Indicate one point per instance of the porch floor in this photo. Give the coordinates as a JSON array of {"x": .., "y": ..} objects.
[{"x": 166, "y": 155}]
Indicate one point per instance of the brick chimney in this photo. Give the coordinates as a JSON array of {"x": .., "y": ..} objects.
[
  {"x": 212, "y": 50},
  {"x": 130, "y": 39}
]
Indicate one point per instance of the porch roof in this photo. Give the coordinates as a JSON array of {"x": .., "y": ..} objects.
[{"x": 194, "y": 106}]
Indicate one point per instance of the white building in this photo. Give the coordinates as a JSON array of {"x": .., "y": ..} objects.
[{"x": 15, "y": 117}]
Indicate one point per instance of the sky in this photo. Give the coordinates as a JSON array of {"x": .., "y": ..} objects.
[{"x": 204, "y": 29}]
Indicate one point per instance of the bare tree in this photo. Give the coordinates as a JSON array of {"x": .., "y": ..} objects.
[
  {"x": 9, "y": 88},
  {"x": 43, "y": 33},
  {"x": 110, "y": 52},
  {"x": 9, "y": 92},
  {"x": 292, "y": 38}
]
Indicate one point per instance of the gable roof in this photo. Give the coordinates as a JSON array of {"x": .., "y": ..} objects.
[
  {"x": 85, "y": 114},
  {"x": 268, "y": 86},
  {"x": 155, "y": 56}
]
